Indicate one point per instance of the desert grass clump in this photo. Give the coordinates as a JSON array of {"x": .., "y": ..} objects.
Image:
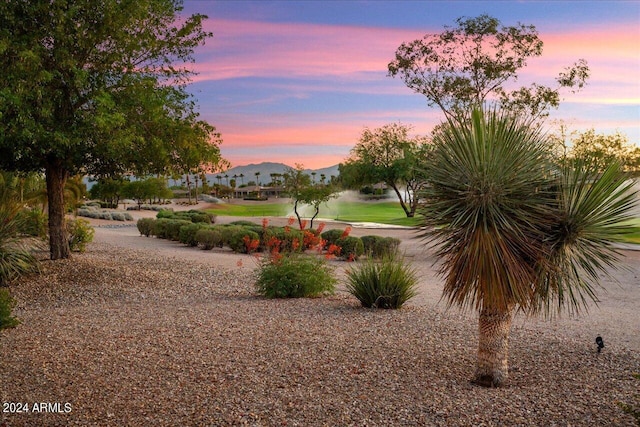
[
  {"x": 388, "y": 283},
  {"x": 294, "y": 276},
  {"x": 6, "y": 305}
]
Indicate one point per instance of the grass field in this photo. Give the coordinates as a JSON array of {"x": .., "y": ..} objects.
[
  {"x": 349, "y": 211},
  {"x": 380, "y": 212}
]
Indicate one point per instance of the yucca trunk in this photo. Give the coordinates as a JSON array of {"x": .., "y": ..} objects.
[{"x": 493, "y": 347}]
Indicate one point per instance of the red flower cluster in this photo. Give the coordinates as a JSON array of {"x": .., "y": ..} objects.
[
  {"x": 333, "y": 251},
  {"x": 251, "y": 244}
]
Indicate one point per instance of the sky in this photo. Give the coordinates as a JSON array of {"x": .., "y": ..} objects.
[{"x": 298, "y": 81}]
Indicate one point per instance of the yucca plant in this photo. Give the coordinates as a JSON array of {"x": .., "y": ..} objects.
[
  {"x": 387, "y": 283},
  {"x": 15, "y": 259},
  {"x": 514, "y": 230}
]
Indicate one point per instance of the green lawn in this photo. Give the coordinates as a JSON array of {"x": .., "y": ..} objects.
[
  {"x": 379, "y": 212},
  {"x": 384, "y": 212},
  {"x": 634, "y": 237}
]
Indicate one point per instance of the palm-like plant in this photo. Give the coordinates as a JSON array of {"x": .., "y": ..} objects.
[
  {"x": 515, "y": 231},
  {"x": 15, "y": 259}
]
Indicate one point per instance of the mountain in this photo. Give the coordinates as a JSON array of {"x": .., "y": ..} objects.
[{"x": 267, "y": 168}]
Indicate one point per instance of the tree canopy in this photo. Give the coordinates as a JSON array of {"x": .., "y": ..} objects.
[
  {"x": 98, "y": 87},
  {"x": 300, "y": 188},
  {"x": 475, "y": 62},
  {"x": 389, "y": 155}
]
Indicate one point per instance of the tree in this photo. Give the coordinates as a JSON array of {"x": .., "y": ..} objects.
[
  {"x": 465, "y": 66},
  {"x": 389, "y": 155},
  {"x": 513, "y": 230},
  {"x": 602, "y": 150},
  {"x": 96, "y": 87},
  {"x": 298, "y": 186}
]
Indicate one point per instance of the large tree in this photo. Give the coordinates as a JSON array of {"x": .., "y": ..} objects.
[
  {"x": 514, "y": 230},
  {"x": 475, "y": 62},
  {"x": 96, "y": 87},
  {"x": 388, "y": 154}
]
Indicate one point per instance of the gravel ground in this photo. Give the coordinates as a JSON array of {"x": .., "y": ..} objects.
[{"x": 146, "y": 332}]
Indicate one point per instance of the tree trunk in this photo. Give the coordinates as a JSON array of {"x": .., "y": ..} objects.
[
  {"x": 56, "y": 176},
  {"x": 493, "y": 347},
  {"x": 406, "y": 210}
]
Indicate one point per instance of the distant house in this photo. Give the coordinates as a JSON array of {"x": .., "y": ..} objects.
[{"x": 257, "y": 191}]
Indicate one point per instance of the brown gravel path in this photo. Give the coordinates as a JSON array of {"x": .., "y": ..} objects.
[{"x": 140, "y": 331}]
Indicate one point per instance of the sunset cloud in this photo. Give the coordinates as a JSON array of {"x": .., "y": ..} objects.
[{"x": 292, "y": 90}]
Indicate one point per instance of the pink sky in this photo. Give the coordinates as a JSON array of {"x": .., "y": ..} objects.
[{"x": 303, "y": 92}]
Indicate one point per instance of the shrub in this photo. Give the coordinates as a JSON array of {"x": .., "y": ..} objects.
[
  {"x": 164, "y": 213},
  {"x": 105, "y": 215},
  {"x": 32, "y": 222},
  {"x": 382, "y": 284},
  {"x": 369, "y": 243},
  {"x": 6, "y": 305},
  {"x": 208, "y": 238},
  {"x": 331, "y": 237},
  {"x": 291, "y": 240},
  {"x": 242, "y": 240},
  {"x": 379, "y": 247},
  {"x": 294, "y": 276},
  {"x": 117, "y": 216},
  {"x": 187, "y": 234},
  {"x": 351, "y": 247},
  {"x": 80, "y": 233},
  {"x": 160, "y": 228},
  {"x": 128, "y": 216},
  {"x": 146, "y": 226},
  {"x": 243, "y": 223},
  {"x": 173, "y": 228}
]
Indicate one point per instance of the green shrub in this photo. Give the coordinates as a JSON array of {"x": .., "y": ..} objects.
[
  {"x": 227, "y": 231},
  {"x": 382, "y": 284},
  {"x": 146, "y": 226},
  {"x": 291, "y": 240},
  {"x": 160, "y": 228},
  {"x": 173, "y": 228},
  {"x": 331, "y": 237},
  {"x": 79, "y": 232},
  {"x": 209, "y": 238},
  {"x": 32, "y": 222},
  {"x": 294, "y": 276},
  {"x": 379, "y": 247},
  {"x": 243, "y": 223},
  {"x": 351, "y": 247},
  {"x": 187, "y": 234},
  {"x": 165, "y": 213},
  {"x": 242, "y": 239},
  {"x": 369, "y": 243},
  {"x": 6, "y": 305}
]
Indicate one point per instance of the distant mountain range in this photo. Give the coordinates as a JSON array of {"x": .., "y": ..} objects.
[{"x": 267, "y": 168}]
